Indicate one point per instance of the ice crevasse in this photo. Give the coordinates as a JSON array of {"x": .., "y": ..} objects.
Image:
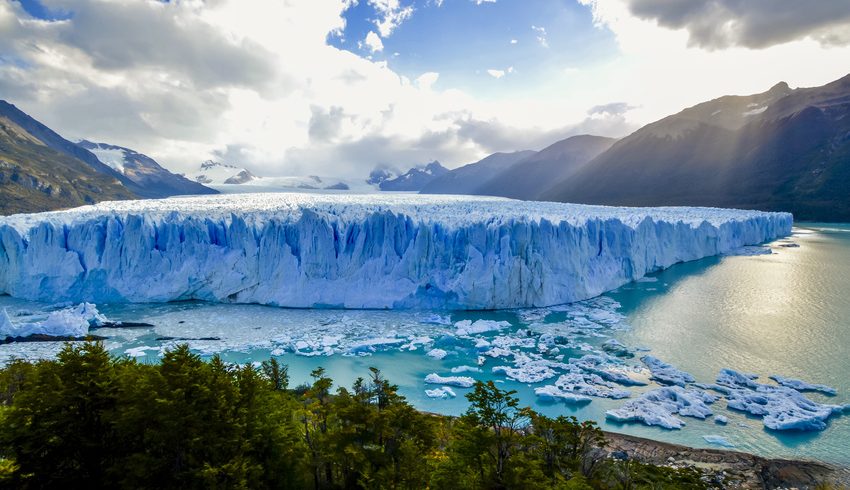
[{"x": 358, "y": 251}]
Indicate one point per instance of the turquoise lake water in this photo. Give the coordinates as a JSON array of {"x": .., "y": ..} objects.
[{"x": 786, "y": 313}]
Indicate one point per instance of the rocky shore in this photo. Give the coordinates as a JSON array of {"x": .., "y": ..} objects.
[{"x": 731, "y": 469}]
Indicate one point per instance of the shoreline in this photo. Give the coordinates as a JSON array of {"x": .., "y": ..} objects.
[{"x": 735, "y": 469}]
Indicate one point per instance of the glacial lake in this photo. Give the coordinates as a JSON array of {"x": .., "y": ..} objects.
[{"x": 785, "y": 313}]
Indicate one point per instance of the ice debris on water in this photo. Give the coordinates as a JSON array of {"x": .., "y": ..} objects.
[
  {"x": 802, "y": 385},
  {"x": 660, "y": 406},
  {"x": 73, "y": 322},
  {"x": 665, "y": 373},
  {"x": 468, "y": 327},
  {"x": 459, "y": 381},
  {"x": 781, "y": 407},
  {"x": 437, "y": 353}
]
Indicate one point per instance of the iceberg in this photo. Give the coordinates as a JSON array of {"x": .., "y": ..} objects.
[
  {"x": 73, "y": 322},
  {"x": 665, "y": 373},
  {"x": 802, "y": 385},
  {"x": 358, "y": 251},
  {"x": 582, "y": 384},
  {"x": 659, "y": 407},
  {"x": 460, "y": 381},
  {"x": 781, "y": 407}
]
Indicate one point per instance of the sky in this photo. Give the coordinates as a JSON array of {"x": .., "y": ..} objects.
[{"x": 339, "y": 87}]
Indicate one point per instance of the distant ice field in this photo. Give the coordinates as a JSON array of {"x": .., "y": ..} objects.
[{"x": 382, "y": 251}]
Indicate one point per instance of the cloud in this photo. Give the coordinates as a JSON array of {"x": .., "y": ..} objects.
[
  {"x": 541, "y": 35},
  {"x": 500, "y": 73},
  {"x": 612, "y": 108},
  {"x": 373, "y": 42},
  {"x": 720, "y": 24},
  {"x": 392, "y": 14},
  {"x": 514, "y": 41}
]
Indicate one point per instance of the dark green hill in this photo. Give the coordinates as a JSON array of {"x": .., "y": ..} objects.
[{"x": 35, "y": 177}]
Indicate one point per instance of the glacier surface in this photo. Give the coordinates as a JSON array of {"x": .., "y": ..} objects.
[{"x": 358, "y": 251}]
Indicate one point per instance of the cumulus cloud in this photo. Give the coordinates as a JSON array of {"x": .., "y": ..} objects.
[
  {"x": 500, "y": 73},
  {"x": 718, "y": 24},
  {"x": 612, "y": 108},
  {"x": 373, "y": 42},
  {"x": 392, "y": 13}
]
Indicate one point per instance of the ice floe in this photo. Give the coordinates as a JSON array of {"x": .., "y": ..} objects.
[
  {"x": 68, "y": 322},
  {"x": 460, "y": 381},
  {"x": 665, "y": 373},
  {"x": 660, "y": 406},
  {"x": 802, "y": 385},
  {"x": 781, "y": 407}
]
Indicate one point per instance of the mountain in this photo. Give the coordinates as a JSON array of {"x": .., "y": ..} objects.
[
  {"x": 144, "y": 171},
  {"x": 782, "y": 149},
  {"x": 217, "y": 173},
  {"x": 380, "y": 175},
  {"x": 469, "y": 178},
  {"x": 414, "y": 180},
  {"x": 536, "y": 174},
  {"x": 52, "y": 140},
  {"x": 35, "y": 177}
]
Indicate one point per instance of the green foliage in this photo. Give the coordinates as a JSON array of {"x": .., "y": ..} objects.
[{"x": 88, "y": 419}]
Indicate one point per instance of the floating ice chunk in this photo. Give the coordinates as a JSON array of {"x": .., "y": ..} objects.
[
  {"x": 721, "y": 420},
  {"x": 461, "y": 381},
  {"x": 468, "y": 327},
  {"x": 527, "y": 372},
  {"x": 734, "y": 379},
  {"x": 616, "y": 348},
  {"x": 139, "y": 351},
  {"x": 659, "y": 407},
  {"x": 665, "y": 373},
  {"x": 552, "y": 393},
  {"x": 717, "y": 440},
  {"x": 465, "y": 369},
  {"x": 437, "y": 353},
  {"x": 442, "y": 392},
  {"x": 369, "y": 346},
  {"x": 647, "y": 279},
  {"x": 782, "y": 408},
  {"x": 607, "y": 367},
  {"x": 802, "y": 385},
  {"x": 588, "y": 385},
  {"x": 74, "y": 322},
  {"x": 436, "y": 319}
]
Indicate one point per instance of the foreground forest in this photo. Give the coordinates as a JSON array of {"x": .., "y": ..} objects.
[{"x": 87, "y": 419}]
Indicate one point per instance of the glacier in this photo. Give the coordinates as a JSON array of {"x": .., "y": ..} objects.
[{"x": 358, "y": 251}]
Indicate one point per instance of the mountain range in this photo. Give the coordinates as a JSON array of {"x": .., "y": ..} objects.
[
  {"x": 414, "y": 179},
  {"x": 40, "y": 170},
  {"x": 780, "y": 150}
]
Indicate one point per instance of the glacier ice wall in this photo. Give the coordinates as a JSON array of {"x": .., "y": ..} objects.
[{"x": 358, "y": 251}]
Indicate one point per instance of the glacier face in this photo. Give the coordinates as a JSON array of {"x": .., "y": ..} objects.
[{"x": 358, "y": 251}]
